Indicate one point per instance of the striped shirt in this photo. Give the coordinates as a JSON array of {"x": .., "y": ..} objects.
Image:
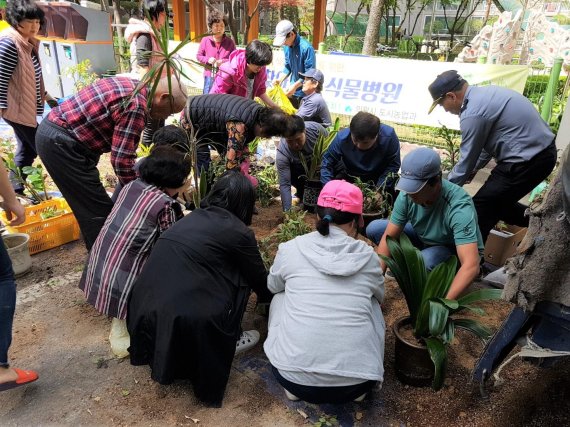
[
  {"x": 8, "y": 63},
  {"x": 140, "y": 215},
  {"x": 105, "y": 117}
]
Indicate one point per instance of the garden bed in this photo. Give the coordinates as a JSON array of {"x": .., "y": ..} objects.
[{"x": 65, "y": 339}]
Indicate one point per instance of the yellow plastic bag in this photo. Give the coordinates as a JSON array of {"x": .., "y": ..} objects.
[{"x": 277, "y": 95}]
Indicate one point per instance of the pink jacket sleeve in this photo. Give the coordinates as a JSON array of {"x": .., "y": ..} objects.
[
  {"x": 201, "y": 55},
  {"x": 260, "y": 82},
  {"x": 224, "y": 81}
]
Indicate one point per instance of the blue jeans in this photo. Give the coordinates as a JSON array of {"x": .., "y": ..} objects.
[
  {"x": 208, "y": 82},
  {"x": 432, "y": 255},
  {"x": 7, "y": 304}
]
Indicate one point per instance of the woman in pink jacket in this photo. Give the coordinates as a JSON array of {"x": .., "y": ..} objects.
[
  {"x": 214, "y": 50},
  {"x": 244, "y": 74}
]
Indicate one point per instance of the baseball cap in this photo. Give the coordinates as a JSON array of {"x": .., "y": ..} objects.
[
  {"x": 342, "y": 196},
  {"x": 283, "y": 28},
  {"x": 417, "y": 168},
  {"x": 445, "y": 82},
  {"x": 314, "y": 74}
]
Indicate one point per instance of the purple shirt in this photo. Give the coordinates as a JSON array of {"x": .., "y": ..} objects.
[{"x": 208, "y": 49}]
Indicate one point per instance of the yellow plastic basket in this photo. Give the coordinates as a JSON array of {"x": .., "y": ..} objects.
[{"x": 47, "y": 233}]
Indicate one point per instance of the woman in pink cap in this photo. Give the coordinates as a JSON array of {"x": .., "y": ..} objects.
[{"x": 326, "y": 330}]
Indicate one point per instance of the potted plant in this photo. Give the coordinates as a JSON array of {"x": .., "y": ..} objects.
[
  {"x": 422, "y": 337},
  {"x": 313, "y": 185},
  {"x": 377, "y": 201}
]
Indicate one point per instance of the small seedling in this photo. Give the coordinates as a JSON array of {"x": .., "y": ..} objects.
[
  {"x": 452, "y": 140},
  {"x": 326, "y": 420},
  {"x": 294, "y": 225},
  {"x": 268, "y": 185}
]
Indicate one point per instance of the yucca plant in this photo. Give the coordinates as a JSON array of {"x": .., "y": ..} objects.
[
  {"x": 168, "y": 62},
  {"x": 431, "y": 313},
  {"x": 321, "y": 146}
]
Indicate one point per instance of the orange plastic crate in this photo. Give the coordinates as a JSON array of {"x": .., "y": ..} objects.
[{"x": 47, "y": 233}]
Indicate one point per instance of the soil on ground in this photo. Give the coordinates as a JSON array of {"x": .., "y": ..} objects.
[
  {"x": 62, "y": 337},
  {"x": 66, "y": 340}
]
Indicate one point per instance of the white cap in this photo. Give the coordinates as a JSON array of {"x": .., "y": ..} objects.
[{"x": 283, "y": 28}]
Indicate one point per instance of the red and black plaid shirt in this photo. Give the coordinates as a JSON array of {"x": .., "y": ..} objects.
[{"x": 105, "y": 118}]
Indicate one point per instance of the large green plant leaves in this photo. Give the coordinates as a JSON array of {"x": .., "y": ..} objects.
[
  {"x": 437, "y": 285},
  {"x": 438, "y": 314},
  {"x": 438, "y": 354},
  {"x": 473, "y": 326},
  {"x": 404, "y": 262},
  {"x": 479, "y": 295}
]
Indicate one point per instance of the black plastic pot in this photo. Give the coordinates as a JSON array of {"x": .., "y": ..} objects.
[
  {"x": 413, "y": 364},
  {"x": 311, "y": 195}
]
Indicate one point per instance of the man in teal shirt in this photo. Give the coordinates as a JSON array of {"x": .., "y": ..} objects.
[{"x": 438, "y": 216}]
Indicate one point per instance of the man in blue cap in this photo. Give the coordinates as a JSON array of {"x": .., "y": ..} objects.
[
  {"x": 498, "y": 123},
  {"x": 313, "y": 106},
  {"x": 438, "y": 217}
]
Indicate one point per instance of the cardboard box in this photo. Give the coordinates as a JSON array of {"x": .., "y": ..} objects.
[{"x": 502, "y": 244}]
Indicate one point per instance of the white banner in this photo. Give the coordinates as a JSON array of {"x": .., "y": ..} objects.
[{"x": 393, "y": 89}]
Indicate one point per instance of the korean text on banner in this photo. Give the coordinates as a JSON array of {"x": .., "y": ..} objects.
[{"x": 393, "y": 89}]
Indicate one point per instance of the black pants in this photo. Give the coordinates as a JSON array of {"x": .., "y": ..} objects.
[
  {"x": 298, "y": 179},
  {"x": 498, "y": 198},
  {"x": 73, "y": 168},
  {"x": 313, "y": 394},
  {"x": 25, "y": 151}
]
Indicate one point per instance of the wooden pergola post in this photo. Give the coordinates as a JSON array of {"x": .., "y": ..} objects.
[
  {"x": 197, "y": 19},
  {"x": 319, "y": 22},
  {"x": 179, "y": 19},
  {"x": 253, "y": 32}
]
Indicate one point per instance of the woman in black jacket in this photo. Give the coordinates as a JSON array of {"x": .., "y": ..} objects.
[{"x": 186, "y": 307}]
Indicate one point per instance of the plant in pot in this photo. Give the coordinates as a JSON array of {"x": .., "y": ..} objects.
[
  {"x": 377, "y": 201},
  {"x": 422, "y": 338},
  {"x": 312, "y": 169}
]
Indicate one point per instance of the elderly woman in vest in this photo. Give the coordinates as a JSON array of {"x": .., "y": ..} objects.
[
  {"x": 21, "y": 83},
  {"x": 143, "y": 42},
  {"x": 230, "y": 123}
]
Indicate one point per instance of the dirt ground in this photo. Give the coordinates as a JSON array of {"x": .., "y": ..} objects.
[{"x": 57, "y": 333}]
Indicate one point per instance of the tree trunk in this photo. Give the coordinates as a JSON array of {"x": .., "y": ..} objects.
[
  {"x": 373, "y": 28},
  {"x": 540, "y": 270},
  {"x": 105, "y": 5},
  {"x": 117, "y": 19},
  {"x": 232, "y": 22}
]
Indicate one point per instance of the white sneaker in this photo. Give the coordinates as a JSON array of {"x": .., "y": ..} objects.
[
  {"x": 360, "y": 398},
  {"x": 290, "y": 396},
  {"x": 246, "y": 341}
]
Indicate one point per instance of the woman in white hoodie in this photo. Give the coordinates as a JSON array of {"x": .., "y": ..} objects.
[{"x": 326, "y": 329}]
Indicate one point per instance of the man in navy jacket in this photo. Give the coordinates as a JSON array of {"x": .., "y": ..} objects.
[{"x": 367, "y": 150}]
